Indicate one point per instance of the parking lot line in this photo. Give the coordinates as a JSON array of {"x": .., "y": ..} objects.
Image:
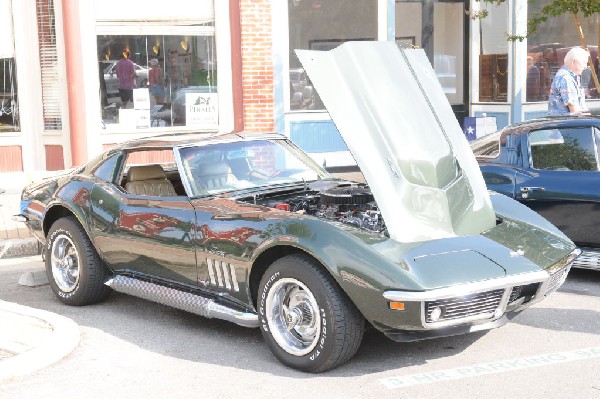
[{"x": 491, "y": 368}]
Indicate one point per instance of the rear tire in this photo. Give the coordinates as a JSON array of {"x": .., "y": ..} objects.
[
  {"x": 75, "y": 271},
  {"x": 306, "y": 319}
]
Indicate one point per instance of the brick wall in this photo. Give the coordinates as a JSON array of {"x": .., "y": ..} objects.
[{"x": 257, "y": 65}]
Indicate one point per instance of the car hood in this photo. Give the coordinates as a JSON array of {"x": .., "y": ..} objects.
[{"x": 394, "y": 117}]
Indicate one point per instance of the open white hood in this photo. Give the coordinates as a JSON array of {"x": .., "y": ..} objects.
[{"x": 394, "y": 117}]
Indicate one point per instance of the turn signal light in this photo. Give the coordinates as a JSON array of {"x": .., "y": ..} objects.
[{"x": 397, "y": 305}]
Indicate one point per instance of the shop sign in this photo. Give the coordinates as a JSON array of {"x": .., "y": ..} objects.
[{"x": 202, "y": 110}]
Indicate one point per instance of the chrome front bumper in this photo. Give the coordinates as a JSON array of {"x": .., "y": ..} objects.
[
  {"x": 485, "y": 301},
  {"x": 589, "y": 259}
]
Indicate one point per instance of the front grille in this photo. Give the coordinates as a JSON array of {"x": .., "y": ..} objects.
[
  {"x": 515, "y": 293},
  {"x": 484, "y": 303},
  {"x": 557, "y": 278},
  {"x": 523, "y": 291}
]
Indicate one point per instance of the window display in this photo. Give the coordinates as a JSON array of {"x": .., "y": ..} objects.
[
  {"x": 154, "y": 81},
  {"x": 9, "y": 110}
]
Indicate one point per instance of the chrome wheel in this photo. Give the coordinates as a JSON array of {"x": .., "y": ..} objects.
[
  {"x": 64, "y": 261},
  {"x": 293, "y": 316}
]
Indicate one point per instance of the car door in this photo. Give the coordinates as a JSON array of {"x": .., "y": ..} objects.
[
  {"x": 145, "y": 234},
  {"x": 228, "y": 233},
  {"x": 563, "y": 183}
]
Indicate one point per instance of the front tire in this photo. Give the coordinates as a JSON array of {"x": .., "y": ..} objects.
[
  {"x": 306, "y": 319},
  {"x": 75, "y": 271}
]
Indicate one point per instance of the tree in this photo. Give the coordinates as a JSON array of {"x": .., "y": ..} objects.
[{"x": 555, "y": 8}]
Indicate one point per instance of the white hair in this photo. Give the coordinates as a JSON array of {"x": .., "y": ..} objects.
[{"x": 578, "y": 54}]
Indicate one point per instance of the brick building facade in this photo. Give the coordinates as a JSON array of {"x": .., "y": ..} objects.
[{"x": 224, "y": 47}]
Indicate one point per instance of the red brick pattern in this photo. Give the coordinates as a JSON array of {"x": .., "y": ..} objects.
[{"x": 257, "y": 65}]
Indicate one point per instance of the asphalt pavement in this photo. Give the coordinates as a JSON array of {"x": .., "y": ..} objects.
[{"x": 132, "y": 348}]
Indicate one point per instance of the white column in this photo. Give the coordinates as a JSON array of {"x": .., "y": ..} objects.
[
  {"x": 518, "y": 83},
  {"x": 29, "y": 84}
]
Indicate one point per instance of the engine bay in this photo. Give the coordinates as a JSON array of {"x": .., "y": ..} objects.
[{"x": 354, "y": 205}]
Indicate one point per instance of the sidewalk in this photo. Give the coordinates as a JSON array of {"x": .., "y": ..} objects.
[
  {"x": 30, "y": 339},
  {"x": 15, "y": 238}
]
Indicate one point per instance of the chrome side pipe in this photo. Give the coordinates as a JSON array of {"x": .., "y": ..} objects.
[{"x": 186, "y": 301}]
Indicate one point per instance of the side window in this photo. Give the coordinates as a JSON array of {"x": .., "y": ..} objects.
[
  {"x": 107, "y": 170},
  {"x": 563, "y": 149},
  {"x": 151, "y": 173}
]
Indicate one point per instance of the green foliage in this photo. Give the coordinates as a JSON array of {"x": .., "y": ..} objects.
[{"x": 553, "y": 9}]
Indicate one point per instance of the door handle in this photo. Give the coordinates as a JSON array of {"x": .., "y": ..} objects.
[{"x": 526, "y": 190}]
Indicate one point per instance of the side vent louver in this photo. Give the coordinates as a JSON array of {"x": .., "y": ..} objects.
[{"x": 222, "y": 274}]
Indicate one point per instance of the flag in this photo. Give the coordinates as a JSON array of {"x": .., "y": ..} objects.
[{"x": 477, "y": 127}]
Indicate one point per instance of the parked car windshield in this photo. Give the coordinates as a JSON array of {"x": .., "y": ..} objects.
[{"x": 222, "y": 167}]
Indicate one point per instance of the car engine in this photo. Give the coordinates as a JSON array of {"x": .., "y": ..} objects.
[{"x": 351, "y": 205}]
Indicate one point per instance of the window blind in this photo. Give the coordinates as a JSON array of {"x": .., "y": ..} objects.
[{"x": 49, "y": 65}]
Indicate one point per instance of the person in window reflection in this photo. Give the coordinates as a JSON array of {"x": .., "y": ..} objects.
[
  {"x": 125, "y": 69},
  {"x": 566, "y": 93},
  {"x": 533, "y": 80},
  {"x": 156, "y": 81}
]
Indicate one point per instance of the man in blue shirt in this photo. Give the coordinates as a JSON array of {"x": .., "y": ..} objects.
[{"x": 566, "y": 94}]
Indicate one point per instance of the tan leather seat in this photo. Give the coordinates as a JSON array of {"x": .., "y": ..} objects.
[{"x": 149, "y": 180}]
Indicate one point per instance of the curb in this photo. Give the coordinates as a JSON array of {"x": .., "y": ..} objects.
[
  {"x": 62, "y": 338},
  {"x": 18, "y": 247}
]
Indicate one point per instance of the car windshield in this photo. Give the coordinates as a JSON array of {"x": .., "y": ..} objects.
[
  {"x": 239, "y": 165},
  {"x": 487, "y": 146}
]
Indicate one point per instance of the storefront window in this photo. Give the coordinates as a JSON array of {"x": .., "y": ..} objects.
[
  {"x": 9, "y": 110},
  {"x": 546, "y": 51},
  {"x": 154, "y": 81},
  {"x": 438, "y": 28},
  {"x": 324, "y": 25},
  {"x": 493, "y": 55}
]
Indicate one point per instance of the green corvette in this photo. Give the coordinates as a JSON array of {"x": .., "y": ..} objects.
[{"x": 248, "y": 228}]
